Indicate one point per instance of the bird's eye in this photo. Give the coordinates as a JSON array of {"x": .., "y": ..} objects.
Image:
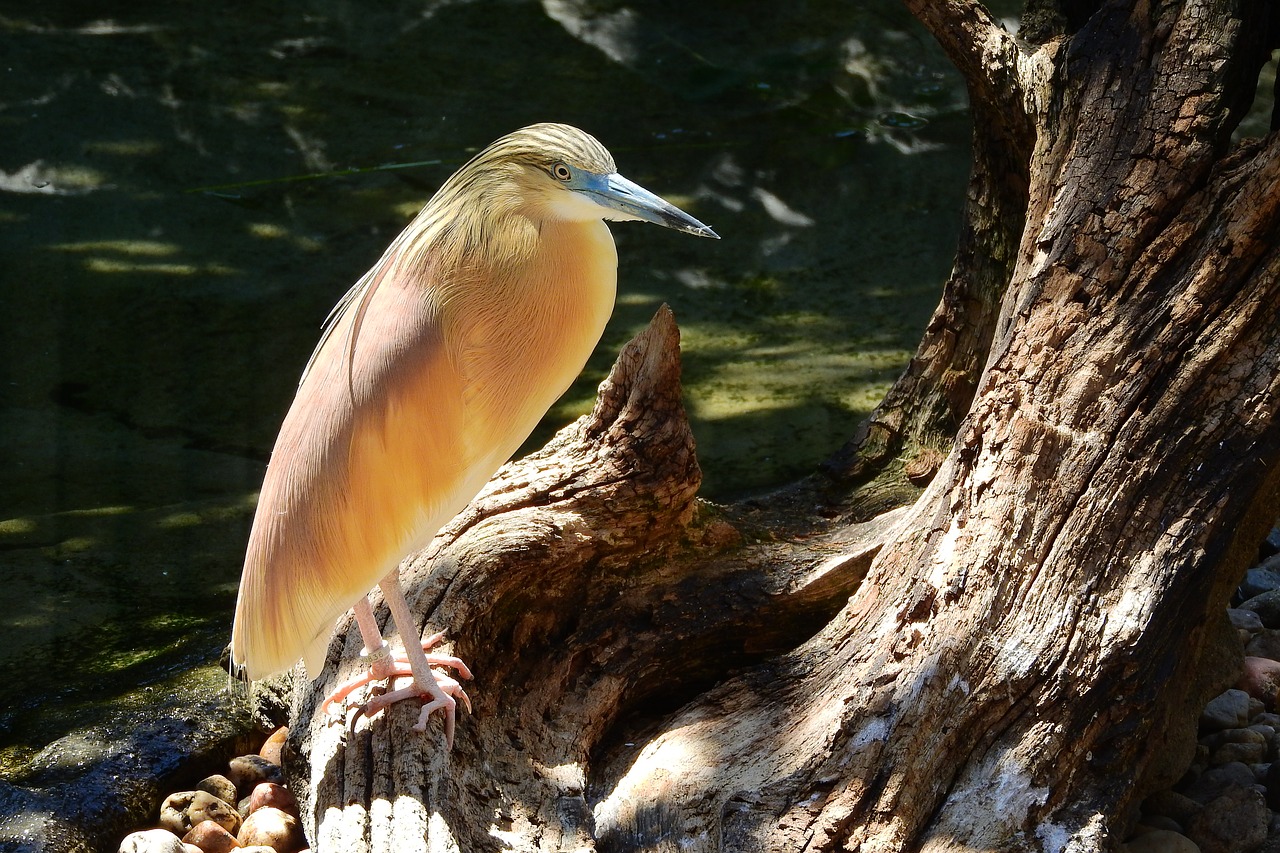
[{"x": 561, "y": 172}]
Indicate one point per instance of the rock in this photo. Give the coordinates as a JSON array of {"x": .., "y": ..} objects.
[
  {"x": 218, "y": 785},
  {"x": 1160, "y": 841},
  {"x": 1213, "y": 782},
  {"x": 273, "y": 828},
  {"x": 1171, "y": 804},
  {"x": 275, "y": 744},
  {"x": 1235, "y": 822},
  {"x": 1230, "y": 710},
  {"x": 1271, "y": 545},
  {"x": 1264, "y": 644},
  {"x": 1261, "y": 578},
  {"x": 1267, "y": 606},
  {"x": 1245, "y": 620},
  {"x": 247, "y": 771},
  {"x": 1246, "y": 735},
  {"x": 185, "y": 809},
  {"x": 152, "y": 841},
  {"x": 211, "y": 837},
  {"x": 1153, "y": 822},
  {"x": 269, "y": 794},
  {"x": 191, "y": 848},
  {"x": 1244, "y": 753}
]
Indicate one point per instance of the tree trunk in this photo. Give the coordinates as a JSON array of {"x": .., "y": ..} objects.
[{"x": 1010, "y": 663}]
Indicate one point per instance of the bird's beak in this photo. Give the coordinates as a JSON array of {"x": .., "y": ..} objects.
[{"x": 635, "y": 202}]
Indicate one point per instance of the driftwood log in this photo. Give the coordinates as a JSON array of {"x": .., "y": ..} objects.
[
  {"x": 578, "y": 588},
  {"x": 1012, "y": 660}
]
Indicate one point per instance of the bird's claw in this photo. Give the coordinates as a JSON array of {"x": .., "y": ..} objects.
[{"x": 390, "y": 667}]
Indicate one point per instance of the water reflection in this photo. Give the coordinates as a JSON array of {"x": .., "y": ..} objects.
[{"x": 156, "y": 328}]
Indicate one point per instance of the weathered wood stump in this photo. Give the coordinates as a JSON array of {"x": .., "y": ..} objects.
[{"x": 578, "y": 588}]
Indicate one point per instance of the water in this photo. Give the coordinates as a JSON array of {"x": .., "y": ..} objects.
[{"x": 185, "y": 190}]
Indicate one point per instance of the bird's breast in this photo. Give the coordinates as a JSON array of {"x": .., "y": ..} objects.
[{"x": 527, "y": 335}]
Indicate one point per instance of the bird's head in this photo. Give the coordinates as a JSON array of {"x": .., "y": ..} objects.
[{"x": 573, "y": 176}]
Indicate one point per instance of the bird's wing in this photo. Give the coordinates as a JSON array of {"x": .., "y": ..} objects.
[{"x": 372, "y": 458}]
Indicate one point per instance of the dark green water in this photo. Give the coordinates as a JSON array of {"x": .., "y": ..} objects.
[{"x": 154, "y": 328}]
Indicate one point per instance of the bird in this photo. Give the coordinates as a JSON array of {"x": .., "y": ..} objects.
[{"x": 429, "y": 374}]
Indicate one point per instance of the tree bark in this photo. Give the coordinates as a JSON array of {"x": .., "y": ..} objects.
[{"x": 1008, "y": 664}]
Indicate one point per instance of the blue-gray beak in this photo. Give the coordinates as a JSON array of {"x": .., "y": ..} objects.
[{"x": 635, "y": 202}]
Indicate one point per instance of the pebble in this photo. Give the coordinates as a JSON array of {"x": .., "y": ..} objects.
[
  {"x": 1235, "y": 822},
  {"x": 1173, "y": 805},
  {"x": 269, "y": 794},
  {"x": 1261, "y": 679},
  {"x": 210, "y": 837},
  {"x": 272, "y": 828},
  {"x": 1245, "y": 620},
  {"x": 1242, "y": 753},
  {"x": 218, "y": 785},
  {"x": 1264, "y": 644},
  {"x": 1261, "y": 578},
  {"x": 1153, "y": 822},
  {"x": 247, "y": 771},
  {"x": 1160, "y": 841},
  {"x": 1267, "y": 606},
  {"x": 152, "y": 841},
  {"x": 185, "y": 809},
  {"x": 272, "y": 749},
  {"x": 1227, "y": 711},
  {"x": 1213, "y": 782}
]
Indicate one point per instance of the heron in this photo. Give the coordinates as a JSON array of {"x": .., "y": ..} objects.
[{"x": 429, "y": 374}]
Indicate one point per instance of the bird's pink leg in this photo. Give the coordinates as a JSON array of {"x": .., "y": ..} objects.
[
  {"x": 441, "y": 690},
  {"x": 425, "y": 681}
]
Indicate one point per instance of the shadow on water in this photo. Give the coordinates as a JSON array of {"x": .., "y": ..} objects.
[{"x": 185, "y": 191}]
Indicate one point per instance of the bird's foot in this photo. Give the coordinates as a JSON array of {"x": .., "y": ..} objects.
[{"x": 384, "y": 666}]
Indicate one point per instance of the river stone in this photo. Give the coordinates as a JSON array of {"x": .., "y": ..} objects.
[
  {"x": 274, "y": 746},
  {"x": 1160, "y": 841},
  {"x": 1153, "y": 822},
  {"x": 1261, "y": 679},
  {"x": 211, "y": 837},
  {"x": 152, "y": 841},
  {"x": 185, "y": 809},
  {"x": 275, "y": 796},
  {"x": 1235, "y": 822},
  {"x": 1271, "y": 545},
  {"x": 1171, "y": 804},
  {"x": 1230, "y": 710},
  {"x": 272, "y": 828},
  {"x": 218, "y": 785},
  {"x": 1247, "y": 735},
  {"x": 246, "y": 771},
  {"x": 1213, "y": 782},
  {"x": 1267, "y": 606},
  {"x": 1260, "y": 579},
  {"x": 1245, "y": 620},
  {"x": 1244, "y": 753},
  {"x": 1264, "y": 644}
]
